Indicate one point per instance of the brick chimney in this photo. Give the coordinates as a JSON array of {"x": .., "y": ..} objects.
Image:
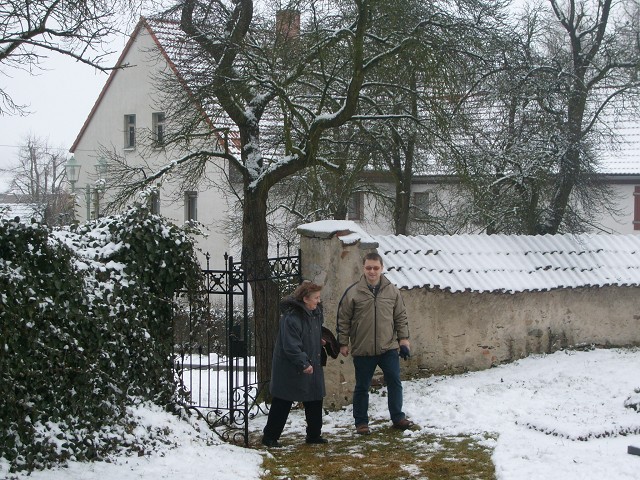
[{"x": 288, "y": 24}]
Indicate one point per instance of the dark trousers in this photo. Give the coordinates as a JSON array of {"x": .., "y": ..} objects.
[
  {"x": 279, "y": 412},
  {"x": 389, "y": 363}
]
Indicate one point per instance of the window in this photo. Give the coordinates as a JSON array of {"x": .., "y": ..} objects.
[
  {"x": 421, "y": 205},
  {"x": 636, "y": 208},
  {"x": 234, "y": 174},
  {"x": 157, "y": 119},
  {"x": 191, "y": 206},
  {"x": 154, "y": 202},
  {"x": 355, "y": 209},
  {"x": 129, "y": 131}
]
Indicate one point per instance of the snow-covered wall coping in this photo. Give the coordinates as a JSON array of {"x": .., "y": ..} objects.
[
  {"x": 349, "y": 232},
  {"x": 510, "y": 263},
  {"x": 494, "y": 263}
]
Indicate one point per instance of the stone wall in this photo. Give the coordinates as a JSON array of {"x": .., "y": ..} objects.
[{"x": 457, "y": 332}]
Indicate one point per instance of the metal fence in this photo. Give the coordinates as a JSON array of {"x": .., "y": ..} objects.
[{"x": 215, "y": 343}]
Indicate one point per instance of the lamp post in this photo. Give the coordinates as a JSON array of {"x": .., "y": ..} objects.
[
  {"x": 92, "y": 193},
  {"x": 101, "y": 167},
  {"x": 72, "y": 168}
]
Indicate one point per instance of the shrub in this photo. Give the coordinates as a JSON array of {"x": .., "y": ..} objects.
[{"x": 85, "y": 331}]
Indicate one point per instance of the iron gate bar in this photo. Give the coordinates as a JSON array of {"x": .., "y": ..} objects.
[{"x": 232, "y": 417}]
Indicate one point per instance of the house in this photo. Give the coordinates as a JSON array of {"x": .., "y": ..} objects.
[
  {"x": 128, "y": 120},
  {"x": 475, "y": 301},
  {"x": 438, "y": 199},
  {"x": 620, "y": 169}
]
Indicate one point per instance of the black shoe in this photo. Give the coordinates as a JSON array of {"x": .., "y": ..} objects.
[
  {"x": 317, "y": 440},
  {"x": 270, "y": 442}
]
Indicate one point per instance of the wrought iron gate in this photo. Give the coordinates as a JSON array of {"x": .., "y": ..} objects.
[{"x": 215, "y": 347}]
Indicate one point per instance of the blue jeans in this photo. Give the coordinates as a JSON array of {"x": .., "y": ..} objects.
[{"x": 389, "y": 362}]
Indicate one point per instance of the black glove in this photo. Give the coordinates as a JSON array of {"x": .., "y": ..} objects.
[{"x": 405, "y": 353}]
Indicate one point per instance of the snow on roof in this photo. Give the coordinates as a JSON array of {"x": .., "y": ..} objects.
[
  {"x": 26, "y": 211},
  {"x": 495, "y": 263},
  {"x": 623, "y": 158},
  {"x": 510, "y": 263}
]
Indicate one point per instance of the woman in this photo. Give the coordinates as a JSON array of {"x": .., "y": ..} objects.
[{"x": 296, "y": 374}]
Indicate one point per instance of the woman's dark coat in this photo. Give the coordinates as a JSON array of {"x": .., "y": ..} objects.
[{"x": 298, "y": 345}]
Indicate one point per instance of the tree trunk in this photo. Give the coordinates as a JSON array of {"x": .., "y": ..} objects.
[
  {"x": 264, "y": 290},
  {"x": 570, "y": 168},
  {"x": 405, "y": 173}
]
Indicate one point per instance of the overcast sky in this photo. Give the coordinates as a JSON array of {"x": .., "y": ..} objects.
[{"x": 59, "y": 99}]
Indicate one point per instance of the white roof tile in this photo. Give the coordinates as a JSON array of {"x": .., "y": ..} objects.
[
  {"x": 623, "y": 158},
  {"x": 26, "y": 211},
  {"x": 510, "y": 263}
]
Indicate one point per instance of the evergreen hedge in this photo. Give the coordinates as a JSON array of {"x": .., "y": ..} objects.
[{"x": 85, "y": 331}]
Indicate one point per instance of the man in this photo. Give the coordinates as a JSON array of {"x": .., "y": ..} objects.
[{"x": 372, "y": 319}]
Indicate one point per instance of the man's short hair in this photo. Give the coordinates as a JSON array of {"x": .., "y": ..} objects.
[{"x": 375, "y": 256}]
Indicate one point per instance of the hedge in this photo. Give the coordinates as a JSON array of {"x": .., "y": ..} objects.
[{"x": 85, "y": 331}]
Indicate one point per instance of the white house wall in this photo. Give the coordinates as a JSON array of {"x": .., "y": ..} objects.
[
  {"x": 622, "y": 221},
  {"x": 378, "y": 223},
  {"x": 617, "y": 221},
  {"x": 131, "y": 91}
]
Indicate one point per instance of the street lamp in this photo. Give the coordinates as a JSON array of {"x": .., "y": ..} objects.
[
  {"x": 72, "y": 168},
  {"x": 101, "y": 167}
]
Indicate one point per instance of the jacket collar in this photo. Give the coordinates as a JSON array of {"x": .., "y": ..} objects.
[{"x": 384, "y": 281}]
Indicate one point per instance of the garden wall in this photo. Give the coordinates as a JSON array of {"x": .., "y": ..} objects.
[{"x": 457, "y": 332}]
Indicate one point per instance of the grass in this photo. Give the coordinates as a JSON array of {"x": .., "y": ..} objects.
[{"x": 384, "y": 455}]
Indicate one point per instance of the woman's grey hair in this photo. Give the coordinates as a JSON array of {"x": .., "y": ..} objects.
[{"x": 305, "y": 289}]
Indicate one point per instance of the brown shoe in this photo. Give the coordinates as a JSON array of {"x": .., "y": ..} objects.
[
  {"x": 363, "y": 429},
  {"x": 403, "y": 424}
]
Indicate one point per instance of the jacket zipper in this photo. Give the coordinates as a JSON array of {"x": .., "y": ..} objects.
[{"x": 375, "y": 324}]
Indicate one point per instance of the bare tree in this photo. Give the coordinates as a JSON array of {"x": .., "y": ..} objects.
[
  {"x": 38, "y": 179},
  {"x": 530, "y": 160},
  {"x": 597, "y": 66},
  {"x": 401, "y": 119},
  {"x": 282, "y": 87},
  {"x": 320, "y": 193},
  {"x": 30, "y": 30}
]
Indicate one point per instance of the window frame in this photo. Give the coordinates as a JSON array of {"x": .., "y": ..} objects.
[
  {"x": 421, "y": 206},
  {"x": 191, "y": 206},
  {"x": 158, "y": 122},
  {"x": 130, "y": 131}
]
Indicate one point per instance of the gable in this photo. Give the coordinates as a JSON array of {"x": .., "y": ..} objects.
[
  {"x": 120, "y": 64},
  {"x": 153, "y": 42}
]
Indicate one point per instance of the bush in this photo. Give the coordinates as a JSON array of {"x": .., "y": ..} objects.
[{"x": 86, "y": 330}]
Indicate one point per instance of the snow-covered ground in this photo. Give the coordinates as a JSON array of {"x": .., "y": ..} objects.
[{"x": 559, "y": 416}]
